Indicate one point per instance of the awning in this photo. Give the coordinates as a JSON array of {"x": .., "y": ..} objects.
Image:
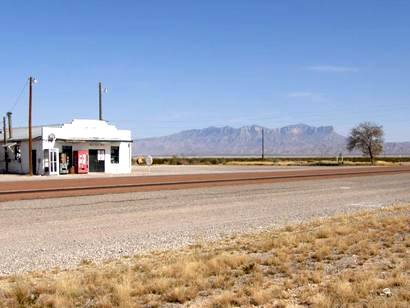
[{"x": 9, "y": 145}]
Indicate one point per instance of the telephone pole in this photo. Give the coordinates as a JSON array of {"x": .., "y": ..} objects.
[
  {"x": 6, "y": 158},
  {"x": 30, "y": 137},
  {"x": 263, "y": 144},
  {"x": 100, "y": 101},
  {"x": 9, "y": 114}
]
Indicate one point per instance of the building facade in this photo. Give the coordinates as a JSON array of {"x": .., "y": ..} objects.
[{"x": 81, "y": 146}]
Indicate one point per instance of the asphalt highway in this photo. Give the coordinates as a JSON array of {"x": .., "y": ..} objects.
[{"x": 20, "y": 190}]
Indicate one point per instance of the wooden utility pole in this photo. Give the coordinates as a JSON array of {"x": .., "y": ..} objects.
[
  {"x": 100, "y": 101},
  {"x": 30, "y": 137},
  {"x": 4, "y": 144},
  {"x": 263, "y": 144},
  {"x": 9, "y": 114}
]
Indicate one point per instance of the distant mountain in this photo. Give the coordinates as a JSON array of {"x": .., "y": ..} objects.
[
  {"x": 300, "y": 139},
  {"x": 397, "y": 148}
]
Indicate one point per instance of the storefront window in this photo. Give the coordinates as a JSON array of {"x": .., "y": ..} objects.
[{"x": 115, "y": 155}]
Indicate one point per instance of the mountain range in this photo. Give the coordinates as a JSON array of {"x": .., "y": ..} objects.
[{"x": 299, "y": 139}]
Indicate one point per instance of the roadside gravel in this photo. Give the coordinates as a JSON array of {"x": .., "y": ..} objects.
[{"x": 41, "y": 234}]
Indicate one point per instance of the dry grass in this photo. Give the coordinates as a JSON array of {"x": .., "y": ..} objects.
[
  {"x": 317, "y": 162},
  {"x": 274, "y": 161},
  {"x": 343, "y": 261}
]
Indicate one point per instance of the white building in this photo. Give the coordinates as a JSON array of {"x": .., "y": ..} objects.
[{"x": 102, "y": 146}]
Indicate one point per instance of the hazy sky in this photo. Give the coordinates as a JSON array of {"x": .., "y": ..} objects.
[{"x": 173, "y": 65}]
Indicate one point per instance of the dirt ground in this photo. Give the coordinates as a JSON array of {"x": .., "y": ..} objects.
[
  {"x": 164, "y": 170},
  {"x": 346, "y": 261}
]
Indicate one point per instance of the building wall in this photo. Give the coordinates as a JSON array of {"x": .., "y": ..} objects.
[
  {"x": 124, "y": 165},
  {"x": 22, "y": 166},
  {"x": 2, "y": 163}
]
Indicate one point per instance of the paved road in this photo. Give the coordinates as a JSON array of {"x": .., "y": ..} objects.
[
  {"x": 39, "y": 234},
  {"x": 20, "y": 190}
]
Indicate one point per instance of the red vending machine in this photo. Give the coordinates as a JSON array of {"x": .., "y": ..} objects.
[{"x": 80, "y": 161}]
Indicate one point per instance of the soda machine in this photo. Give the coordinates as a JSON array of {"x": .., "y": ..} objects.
[{"x": 80, "y": 161}]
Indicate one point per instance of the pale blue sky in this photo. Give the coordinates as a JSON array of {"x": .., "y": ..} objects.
[{"x": 174, "y": 65}]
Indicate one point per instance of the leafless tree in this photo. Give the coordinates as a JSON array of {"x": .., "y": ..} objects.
[{"x": 368, "y": 138}]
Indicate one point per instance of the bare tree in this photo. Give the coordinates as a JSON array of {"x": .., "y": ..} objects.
[{"x": 368, "y": 138}]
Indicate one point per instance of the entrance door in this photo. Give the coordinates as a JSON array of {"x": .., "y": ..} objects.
[
  {"x": 68, "y": 151},
  {"x": 53, "y": 161},
  {"x": 96, "y": 160},
  {"x": 34, "y": 161}
]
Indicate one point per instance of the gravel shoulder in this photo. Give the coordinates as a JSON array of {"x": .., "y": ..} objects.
[{"x": 41, "y": 234}]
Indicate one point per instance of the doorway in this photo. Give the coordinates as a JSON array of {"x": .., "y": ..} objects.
[
  {"x": 34, "y": 161},
  {"x": 96, "y": 160},
  {"x": 68, "y": 151},
  {"x": 53, "y": 168}
]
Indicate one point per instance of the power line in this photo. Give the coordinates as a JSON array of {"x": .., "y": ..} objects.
[{"x": 18, "y": 97}]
